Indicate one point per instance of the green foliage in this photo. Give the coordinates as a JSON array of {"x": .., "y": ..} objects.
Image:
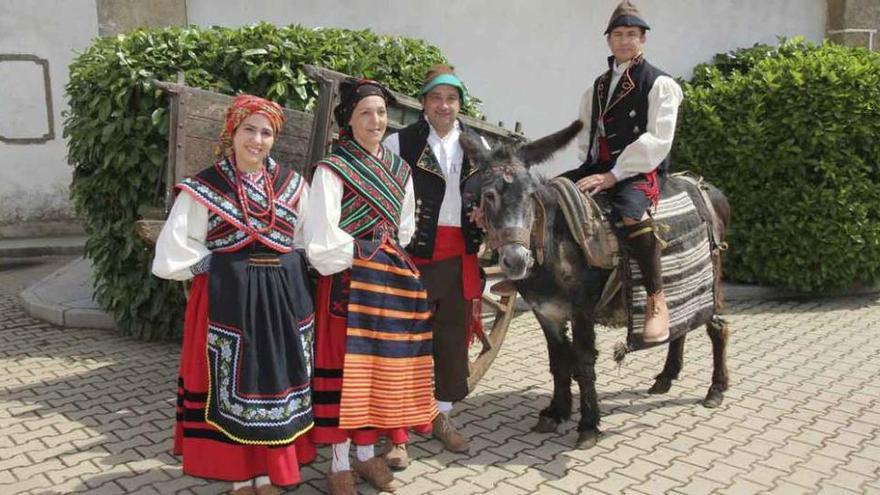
[
  {"x": 117, "y": 128},
  {"x": 793, "y": 143},
  {"x": 741, "y": 60}
]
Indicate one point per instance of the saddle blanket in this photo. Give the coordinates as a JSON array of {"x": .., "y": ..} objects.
[{"x": 688, "y": 271}]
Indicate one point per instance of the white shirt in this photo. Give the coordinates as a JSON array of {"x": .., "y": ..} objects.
[
  {"x": 181, "y": 243},
  {"x": 616, "y": 72},
  {"x": 450, "y": 156},
  {"x": 329, "y": 248},
  {"x": 645, "y": 153}
]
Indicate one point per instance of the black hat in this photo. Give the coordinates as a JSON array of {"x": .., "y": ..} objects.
[
  {"x": 626, "y": 14},
  {"x": 351, "y": 91}
]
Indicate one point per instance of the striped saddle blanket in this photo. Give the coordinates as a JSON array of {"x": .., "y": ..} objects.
[{"x": 688, "y": 271}]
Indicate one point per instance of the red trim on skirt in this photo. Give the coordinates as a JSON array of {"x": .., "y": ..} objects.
[
  {"x": 330, "y": 336},
  {"x": 207, "y": 453}
]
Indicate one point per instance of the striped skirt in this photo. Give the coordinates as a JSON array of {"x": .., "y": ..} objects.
[{"x": 374, "y": 365}]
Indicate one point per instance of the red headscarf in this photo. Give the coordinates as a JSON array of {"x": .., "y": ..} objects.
[{"x": 243, "y": 107}]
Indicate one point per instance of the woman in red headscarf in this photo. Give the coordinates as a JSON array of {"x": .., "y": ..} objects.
[{"x": 244, "y": 395}]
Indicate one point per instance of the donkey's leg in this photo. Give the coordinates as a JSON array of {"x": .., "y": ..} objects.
[
  {"x": 585, "y": 353},
  {"x": 674, "y": 362},
  {"x": 719, "y": 333},
  {"x": 560, "y": 354}
]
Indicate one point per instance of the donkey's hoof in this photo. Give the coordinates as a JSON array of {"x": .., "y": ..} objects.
[
  {"x": 587, "y": 439},
  {"x": 661, "y": 386},
  {"x": 545, "y": 424},
  {"x": 713, "y": 399}
]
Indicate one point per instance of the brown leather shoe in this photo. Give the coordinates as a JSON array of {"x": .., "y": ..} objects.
[
  {"x": 444, "y": 430},
  {"x": 397, "y": 457},
  {"x": 245, "y": 490},
  {"x": 376, "y": 472},
  {"x": 268, "y": 489},
  {"x": 341, "y": 483},
  {"x": 656, "y": 319}
]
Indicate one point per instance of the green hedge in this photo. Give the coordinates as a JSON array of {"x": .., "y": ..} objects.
[
  {"x": 117, "y": 130},
  {"x": 792, "y": 139}
]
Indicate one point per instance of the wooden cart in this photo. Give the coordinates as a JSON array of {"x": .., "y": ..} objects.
[{"x": 196, "y": 118}]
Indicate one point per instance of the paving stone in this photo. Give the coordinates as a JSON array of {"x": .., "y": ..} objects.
[
  {"x": 786, "y": 488},
  {"x": 801, "y": 416},
  {"x": 806, "y": 478}
]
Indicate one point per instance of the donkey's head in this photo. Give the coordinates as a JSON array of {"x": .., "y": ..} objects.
[{"x": 507, "y": 193}]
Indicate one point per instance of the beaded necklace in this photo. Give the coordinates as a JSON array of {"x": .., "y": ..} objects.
[{"x": 259, "y": 213}]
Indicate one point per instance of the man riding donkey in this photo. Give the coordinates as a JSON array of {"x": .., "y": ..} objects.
[
  {"x": 629, "y": 116},
  {"x": 445, "y": 243}
]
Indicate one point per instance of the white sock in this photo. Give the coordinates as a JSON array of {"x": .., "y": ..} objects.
[
  {"x": 444, "y": 407},
  {"x": 340, "y": 460},
  {"x": 262, "y": 481},
  {"x": 241, "y": 484},
  {"x": 365, "y": 452}
]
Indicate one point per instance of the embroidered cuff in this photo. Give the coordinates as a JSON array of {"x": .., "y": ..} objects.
[{"x": 201, "y": 266}]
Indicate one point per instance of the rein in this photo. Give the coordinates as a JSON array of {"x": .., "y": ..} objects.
[
  {"x": 531, "y": 238},
  {"x": 591, "y": 232}
]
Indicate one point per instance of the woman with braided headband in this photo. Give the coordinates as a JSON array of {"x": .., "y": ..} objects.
[{"x": 244, "y": 392}]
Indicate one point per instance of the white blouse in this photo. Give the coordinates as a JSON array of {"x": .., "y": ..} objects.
[
  {"x": 181, "y": 242},
  {"x": 329, "y": 248},
  {"x": 645, "y": 153}
]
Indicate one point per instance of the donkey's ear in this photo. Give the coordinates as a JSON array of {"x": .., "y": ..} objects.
[
  {"x": 540, "y": 150},
  {"x": 473, "y": 147}
]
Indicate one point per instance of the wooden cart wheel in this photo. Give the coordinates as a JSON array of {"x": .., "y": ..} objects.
[{"x": 497, "y": 314}]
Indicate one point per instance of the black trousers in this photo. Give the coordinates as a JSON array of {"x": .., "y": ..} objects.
[
  {"x": 626, "y": 197},
  {"x": 443, "y": 281}
]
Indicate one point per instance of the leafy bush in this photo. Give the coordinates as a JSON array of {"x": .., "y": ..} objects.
[
  {"x": 117, "y": 130},
  {"x": 793, "y": 143},
  {"x": 742, "y": 60}
]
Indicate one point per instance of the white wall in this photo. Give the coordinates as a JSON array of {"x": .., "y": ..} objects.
[
  {"x": 529, "y": 60},
  {"x": 34, "y": 178}
]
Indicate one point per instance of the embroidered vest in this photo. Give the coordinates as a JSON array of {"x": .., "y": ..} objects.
[
  {"x": 374, "y": 189},
  {"x": 625, "y": 116},
  {"x": 429, "y": 185},
  {"x": 216, "y": 189}
]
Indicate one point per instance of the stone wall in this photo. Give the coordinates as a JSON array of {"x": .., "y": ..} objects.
[{"x": 854, "y": 22}]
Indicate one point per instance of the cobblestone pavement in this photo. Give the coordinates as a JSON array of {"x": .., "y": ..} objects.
[{"x": 88, "y": 411}]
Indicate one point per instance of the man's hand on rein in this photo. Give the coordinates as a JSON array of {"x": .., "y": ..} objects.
[{"x": 594, "y": 183}]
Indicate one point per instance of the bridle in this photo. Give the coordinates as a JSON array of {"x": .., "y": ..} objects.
[{"x": 531, "y": 238}]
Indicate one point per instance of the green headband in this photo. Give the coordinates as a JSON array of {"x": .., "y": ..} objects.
[{"x": 449, "y": 80}]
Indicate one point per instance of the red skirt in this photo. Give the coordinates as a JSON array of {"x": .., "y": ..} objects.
[
  {"x": 330, "y": 344},
  {"x": 207, "y": 452}
]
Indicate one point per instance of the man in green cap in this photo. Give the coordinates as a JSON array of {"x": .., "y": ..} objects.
[
  {"x": 446, "y": 241},
  {"x": 629, "y": 117}
]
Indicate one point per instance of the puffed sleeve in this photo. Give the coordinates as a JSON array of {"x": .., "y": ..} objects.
[
  {"x": 407, "y": 215},
  {"x": 328, "y": 247},
  {"x": 585, "y": 114},
  {"x": 181, "y": 243},
  {"x": 645, "y": 153},
  {"x": 302, "y": 208}
]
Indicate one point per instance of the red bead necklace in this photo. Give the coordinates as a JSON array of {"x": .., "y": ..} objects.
[{"x": 259, "y": 214}]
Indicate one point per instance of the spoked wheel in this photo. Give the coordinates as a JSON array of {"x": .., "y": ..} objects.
[{"x": 498, "y": 311}]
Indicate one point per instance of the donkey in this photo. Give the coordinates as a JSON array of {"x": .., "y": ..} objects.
[{"x": 564, "y": 288}]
